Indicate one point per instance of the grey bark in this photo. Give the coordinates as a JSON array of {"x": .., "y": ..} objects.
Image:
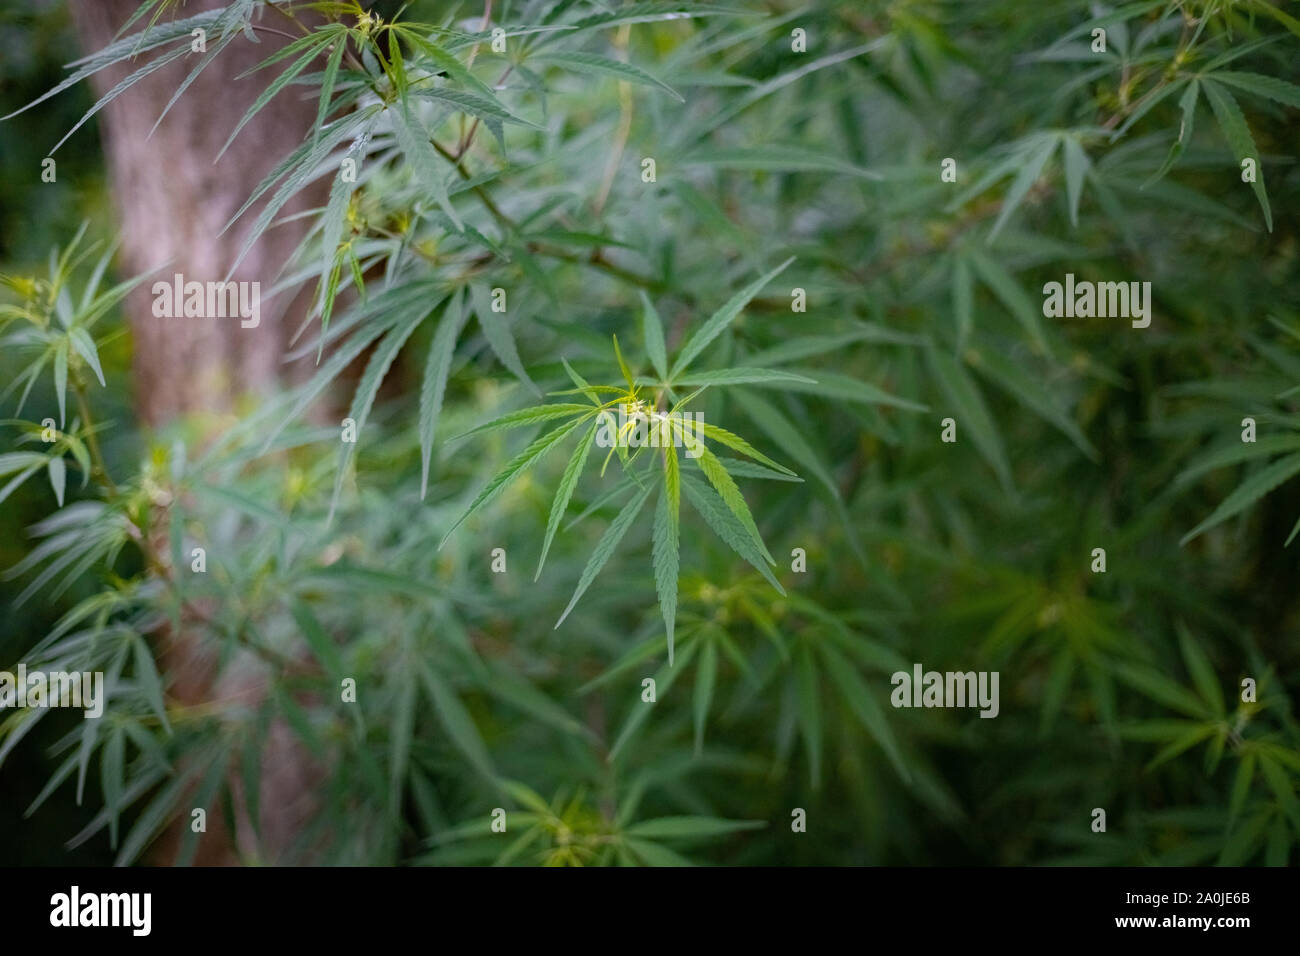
[{"x": 173, "y": 201}]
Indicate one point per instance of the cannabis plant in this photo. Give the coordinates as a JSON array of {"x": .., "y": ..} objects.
[{"x": 790, "y": 265}]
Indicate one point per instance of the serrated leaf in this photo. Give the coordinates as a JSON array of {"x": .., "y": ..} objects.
[
  {"x": 1267, "y": 86},
  {"x": 1248, "y": 492},
  {"x": 774, "y": 157},
  {"x": 414, "y": 143},
  {"x": 652, "y": 330},
  {"x": 527, "y": 416},
  {"x": 666, "y": 547},
  {"x": 311, "y": 45},
  {"x": 496, "y": 329},
  {"x": 456, "y": 721},
  {"x": 1187, "y": 103},
  {"x": 436, "y": 369},
  {"x": 367, "y": 389},
  {"x": 702, "y": 696},
  {"x": 862, "y": 702},
  {"x": 513, "y": 468},
  {"x": 730, "y": 494},
  {"x": 1237, "y": 133},
  {"x": 1031, "y": 167},
  {"x": 717, "y": 322},
  {"x": 564, "y": 492},
  {"x": 472, "y": 103},
  {"x": 744, "y": 376},
  {"x": 591, "y": 63},
  {"x": 605, "y": 547},
  {"x": 739, "y": 444},
  {"x": 970, "y": 409},
  {"x": 727, "y": 526}
]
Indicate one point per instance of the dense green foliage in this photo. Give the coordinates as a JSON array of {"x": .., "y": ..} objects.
[{"x": 523, "y": 171}]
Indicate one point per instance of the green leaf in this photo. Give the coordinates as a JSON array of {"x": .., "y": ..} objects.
[
  {"x": 1248, "y": 492},
  {"x": 727, "y": 526},
  {"x": 456, "y": 721},
  {"x": 1237, "y": 133},
  {"x": 85, "y": 346},
  {"x": 716, "y": 323},
  {"x": 312, "y": 45},
  {"x": 730, "y": 494},
  {"x": 652, "y": 854},
  {"x": 475, "y": 105},
  {"x": 416, "y": 149},
  {"x": 1187, "y": 103},
  {"x": 705, "y": 676},
  {"x": 528, "y": 416},
  {"x": 513, "y": 468},
  {"x": 652, "y": 331},
  {"x": 744, "y": 376},
  {"x": 146, "y": 675},
  {"x": 332, "y": 223},
  {"x": 1241, "y": 784},
  {"x": 1031, "y": 392},
  {"x": 605, "y": 547},
  {"x": 112, "y": 764},
  {"x": 809, "y": 712},
  {"x": 328, "y": 80},
  {"x": 152, "y": 66},
  {"x": 1076, "y": 166},
  {"x": 970, "y": 409},
  {"x": 666, "y": 547},
  {"x": 402, "y": 728},
  {"x": 564, "y": 492},
  {"x": 740, "y": 445},
  {"x": 1161, "y": 689},
  {"x": 58, "y": 470},
  {"x": 1198, "y": 665},
  {"x": 61, "y": 378},
  {"x": 436, "y": 369},
  {"x": 773, "y": 157},
  {"x": 1010, "y": 294},
  {"x": 321, "y": 644},
  {"x": 591, "y": 63},
  {"x": 496, "y": 330},
  {"x": 963, "y": 300},
  {"x": 689, "y": 827},
  {"x": 1267, "y": 86},
  {"x": 376, "y": 370},
  {"x": 1031, "y": 163},
  {"x": 862, "y": 701},
  {"x": 622, "y": 366}
]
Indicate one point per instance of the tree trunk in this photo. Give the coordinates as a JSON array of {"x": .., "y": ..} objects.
[{"x": 173, "y": 201}]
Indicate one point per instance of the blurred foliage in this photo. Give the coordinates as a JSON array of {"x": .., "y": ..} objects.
[{"x": 523, "y": 171}]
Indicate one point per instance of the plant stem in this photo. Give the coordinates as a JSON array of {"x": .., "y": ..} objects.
[{"x": 97, "y": 469}]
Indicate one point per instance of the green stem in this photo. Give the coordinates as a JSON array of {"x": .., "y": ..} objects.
[{"x": 97, "y": 469}]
